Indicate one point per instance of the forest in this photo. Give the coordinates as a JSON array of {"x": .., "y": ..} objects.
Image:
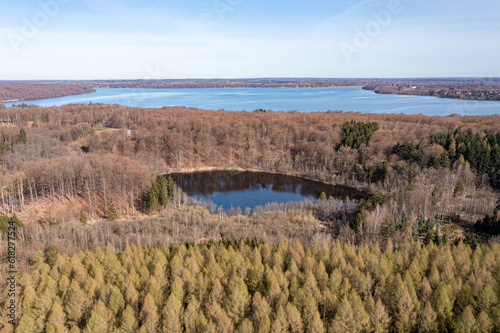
[
  {"x": 23, "y": 90},
  {"x": 79, "y": 157},
  {"x": 255, "y": 286},
  {"x": 87, "y": 187}
]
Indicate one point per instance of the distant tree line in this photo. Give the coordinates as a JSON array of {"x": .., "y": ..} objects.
[
  {"x": 24, "y": 90},
  {"x": 467, "y": 89}
]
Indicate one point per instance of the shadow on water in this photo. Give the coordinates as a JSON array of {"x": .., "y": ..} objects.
[{"x": 251, "y": 189}]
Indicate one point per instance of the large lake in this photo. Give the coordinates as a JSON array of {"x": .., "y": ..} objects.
[
  {"x": 250, "y": 189},
  {"x": 279, "y": 99}
]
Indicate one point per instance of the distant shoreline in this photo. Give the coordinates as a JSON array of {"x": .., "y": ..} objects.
[
  {"x": 34, "y": 99},
  {"x": 477, "y": 89},
  {"x": 452, "y": 88}
]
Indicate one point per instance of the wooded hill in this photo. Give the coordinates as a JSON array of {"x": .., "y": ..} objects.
[{"x": 79, "y": 157}]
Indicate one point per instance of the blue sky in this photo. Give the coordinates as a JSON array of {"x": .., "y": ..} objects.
[{"x": 133, "y": 39}]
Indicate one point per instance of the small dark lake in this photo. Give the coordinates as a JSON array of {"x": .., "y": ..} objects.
[{"x": 250, "y": 189}]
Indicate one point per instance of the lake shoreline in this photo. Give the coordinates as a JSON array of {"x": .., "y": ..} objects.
[
  {"x": 307, "y": 177},
  {"x": 237, "y": 187},
  {"x": 304, "y": 100},
  {"x": 36, "y": 99}
]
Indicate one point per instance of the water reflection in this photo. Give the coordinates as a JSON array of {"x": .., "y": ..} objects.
[{"x": 251, "y": 189}]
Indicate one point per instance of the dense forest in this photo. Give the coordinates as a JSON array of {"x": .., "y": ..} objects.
[
  {"x": 22, "y": 90},
  {"x": 254, "y": 286}
]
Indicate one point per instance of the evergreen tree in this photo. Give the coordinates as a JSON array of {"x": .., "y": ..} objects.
[
  {"x": 484, "y": 323},
  {"x": 264, "y": 325},
  {"x": 427, "y": 321},
  {"x": 404, "y": 312},
  {"x": 23, "y": 138},
  {"x": 459, "y": 189},
  {"x": 344, "y": 319},
  {"x": 237, "y": 300},
  {"x": 116, "y": 302},
  {"x": 171, "y": 322},
  {"x": 83, "y": 218},
  {"x": 112, "y": 214},
  {"x": 131, "y": 295},
  {"x": 487, "y": 298},
  {"x": 75, "y": 303},
  {"x": 190, "y": 314},
  {"x": 316, "y": 324},
  {"x": 245, "y": 326},
  {"x": 202, "y": 324},
  {"x": 294, "y": 319},
  {"x": 280, "y": 323},
  {"x": 414, "y": 231},
  {"x": 357, "y": 222},
  {"x": 260, "y": 308},
  {"x": 361, "y": 317},
  {"x": 98, "y": 321},
  {"x": 444, "y": 160},
  {"x": 128, "y": 322},
  {"x": 437, "y": 237},
  {"x": 57, "y": 318},
  {"x": 466, "y": 321},
  {"x": 149, "y": 315},
  {"x": 443, "y": 303},
  {"x": 164, "y": 190},
  {"x": 220, "y": 318},
  {"x": 152, "y": 197},
  {"x": 27, "y": 324},
  {"x": 379, "y": 317}
]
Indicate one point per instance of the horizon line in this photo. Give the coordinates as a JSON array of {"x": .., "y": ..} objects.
[{"x": 261, "y": 78}]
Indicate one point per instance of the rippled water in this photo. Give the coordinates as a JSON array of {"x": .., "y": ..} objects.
[{"x": 279, "y": 99}]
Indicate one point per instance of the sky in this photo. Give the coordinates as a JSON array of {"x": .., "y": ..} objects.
[{"x": 150, "y": 39}]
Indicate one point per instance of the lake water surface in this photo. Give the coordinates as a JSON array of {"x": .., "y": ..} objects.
[
  {"x": 279, "y": 99},
  {"x": 251, "y": 189}
]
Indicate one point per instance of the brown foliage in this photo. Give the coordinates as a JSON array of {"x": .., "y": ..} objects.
[{"x": 19, "y": 91}]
